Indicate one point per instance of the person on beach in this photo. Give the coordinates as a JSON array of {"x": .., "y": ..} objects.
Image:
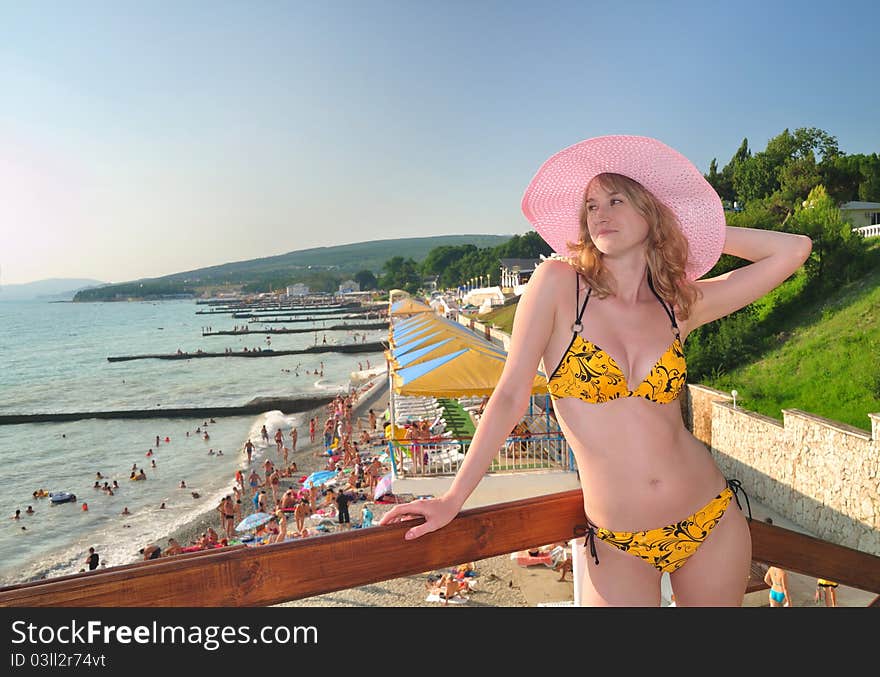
[
  {"x": 294, "y": 435},
  {"x": 274, "y": 482},
  {"x": 777, "y": 579},
  {"x": 281, "y": 519},
  {"x": 342, "y": 501},
  {"x": 151, "y": 551},
  {"x": 288, "y": 500},
  {"x": 227, "y": 515},
  {"x": 638, "y": 226},
  {"x": 279, "y": 440},
  {"x": 827, "y": 591},
  {"x": 264, "y": 434},
  {"x": 254, "y": 480},
  {"x": 92, "y": 559},
  {"x": 29, "y": 511},
  {"x": 173, "y": 548},
  {"x": 249, "y": 449},
  {"x": 366, "y": 516},
  {"x": 313, "y": 426},
  {"x": 268, "y": 468},
  {"x": 302, "y": 510}
]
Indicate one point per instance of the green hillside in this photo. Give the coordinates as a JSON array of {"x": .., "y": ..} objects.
[
  {"x": 345, "y": 258},
  {"x": 321, "y": 268},
  {"x": 827, "y": 363}
]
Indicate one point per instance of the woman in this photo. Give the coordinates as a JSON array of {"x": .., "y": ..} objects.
[
  {"x": 641, "y": 225},
  {"x": 827, "y": 590},
  {"x": 777, "y": 579}
]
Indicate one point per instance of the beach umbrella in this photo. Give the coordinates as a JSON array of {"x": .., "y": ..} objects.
[
  {"x": 409, "y": 307},
  {"x": 253, "y": 521},
  {"x": 319, "y": 478},
  {"x": 383, "y": 486},
  {"x": 468, "y": 371}
]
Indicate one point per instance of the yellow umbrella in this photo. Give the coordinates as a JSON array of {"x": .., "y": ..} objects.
[
  {"x": 462, "y": 373},
  {"x": 408, "y": 307},
  {"x": 443, "y": 346}
]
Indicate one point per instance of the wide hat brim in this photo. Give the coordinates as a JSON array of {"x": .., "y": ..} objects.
[{"x": 553, "y": 199}]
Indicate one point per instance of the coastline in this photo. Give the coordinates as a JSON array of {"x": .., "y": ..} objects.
[
  {"x": 498, "y": 582},
  {"x": 375, "y": 396}
]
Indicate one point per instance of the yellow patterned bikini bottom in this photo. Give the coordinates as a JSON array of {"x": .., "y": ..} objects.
[{"x": 666, "y": 548}]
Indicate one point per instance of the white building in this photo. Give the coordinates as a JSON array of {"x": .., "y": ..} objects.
[
  {"x": 349, "y": 287},
  {"x": 861, "y": 213},
  {"x": 516, "y": 273},
  {"x": 299, "y": 289}
]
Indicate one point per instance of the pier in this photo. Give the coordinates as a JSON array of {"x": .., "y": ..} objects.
[
  {"x": 255, "y": 406},
  {"x": 281, "y": 309},
  {"x": 247, "y": 314},
  {"x": 284, "y": 330},
  {"x": 293, "y": 320},
  {"x": 375, "y": 347}
]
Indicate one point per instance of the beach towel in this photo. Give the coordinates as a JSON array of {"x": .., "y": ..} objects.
[
  {"x": 434, "y": 597},
  {"x": 524, "y": 559}
]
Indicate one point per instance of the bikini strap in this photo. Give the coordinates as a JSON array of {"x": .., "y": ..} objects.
[
  {"x": 589, "y": 531},
  {"x": 578, "y": 326},
  {"x": 668, "y": 309}
]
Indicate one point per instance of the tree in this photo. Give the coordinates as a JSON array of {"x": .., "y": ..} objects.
[
  {"x": 797, "y": 178},
  {"x": 723, "y": 183},
  {"x": 755, "y": 178},
  {"x": 400, "y": 273},
  {"x": 837, "y": 251},
  {"x": 365, "y": 279},
  {"x": 869, "y": 186}
]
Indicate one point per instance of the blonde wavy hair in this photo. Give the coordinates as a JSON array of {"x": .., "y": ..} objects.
[{"x": 667, "y": 251}]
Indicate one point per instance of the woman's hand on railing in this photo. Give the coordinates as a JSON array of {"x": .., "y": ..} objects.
[{"x": 438, "y": 512}]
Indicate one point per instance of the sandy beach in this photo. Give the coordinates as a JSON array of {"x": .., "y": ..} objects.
[{"x": 498, "y": 581}]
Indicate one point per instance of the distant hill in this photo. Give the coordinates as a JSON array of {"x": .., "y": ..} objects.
[
  {"x": 321, "y": 268},
  {"x": 54, "y": 289},
  {"x": 346, "y": 258}
]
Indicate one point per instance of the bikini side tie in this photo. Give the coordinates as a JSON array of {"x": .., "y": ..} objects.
[
  {"x": 736, "y": 486},
  {"x": 588, "y": 531}
]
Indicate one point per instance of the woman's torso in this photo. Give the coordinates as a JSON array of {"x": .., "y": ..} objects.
[
  {"x": 639, "y": 466},
  {"x": 777, "y": 581}
]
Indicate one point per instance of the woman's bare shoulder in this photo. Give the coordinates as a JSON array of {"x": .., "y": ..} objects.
[{"x": 554, "y": 272}]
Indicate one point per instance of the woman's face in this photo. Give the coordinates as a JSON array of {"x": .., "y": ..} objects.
[{"x": 615, "y": 225}]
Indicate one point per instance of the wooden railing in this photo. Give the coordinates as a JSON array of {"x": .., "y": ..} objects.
[{"x": 266, "y": 575}]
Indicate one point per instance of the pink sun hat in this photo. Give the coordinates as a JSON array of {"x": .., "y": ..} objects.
[{"x": 553, "y": 199}]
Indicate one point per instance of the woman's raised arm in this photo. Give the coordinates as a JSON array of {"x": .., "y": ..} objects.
[{"x": 775, "y": 256}]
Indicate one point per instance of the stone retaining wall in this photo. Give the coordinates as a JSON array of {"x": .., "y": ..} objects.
[{"x": 820, "y": 474}]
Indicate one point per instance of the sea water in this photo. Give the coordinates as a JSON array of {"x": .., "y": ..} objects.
[{"x": 53, "y": 358}]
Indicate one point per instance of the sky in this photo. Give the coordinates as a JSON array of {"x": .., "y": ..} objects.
[{"x": 139, "y": 139}]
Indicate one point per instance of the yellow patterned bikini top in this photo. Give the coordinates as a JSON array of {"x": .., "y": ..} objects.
[{"x": 590, "y": 374}]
